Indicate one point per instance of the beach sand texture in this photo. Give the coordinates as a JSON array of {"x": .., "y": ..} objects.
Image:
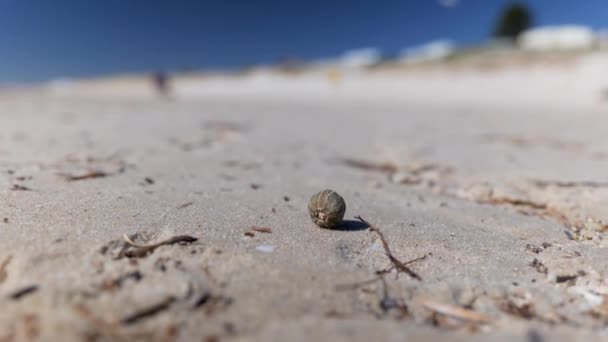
[{"x": 499, "y": 179}]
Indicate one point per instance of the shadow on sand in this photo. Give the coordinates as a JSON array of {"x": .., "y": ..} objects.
[{"x": 351, "y": 226}]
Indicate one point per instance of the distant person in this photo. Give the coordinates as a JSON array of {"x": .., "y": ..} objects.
[{"x": 162, "y": 84}]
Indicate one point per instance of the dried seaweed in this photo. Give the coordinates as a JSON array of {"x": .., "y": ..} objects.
[
  {"x": 515, "y": 202},
  {"x": 532, "y": 208}
]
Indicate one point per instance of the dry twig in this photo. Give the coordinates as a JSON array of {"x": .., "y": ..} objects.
[
  {"x": 185, "y": 205},
  {"x": 454, "y": 311},
  {"x": 143, "y": 250},
  {"x": 148, "y": 311},
  {"x": 397, "y": 264},
  {"x": 17, "y": 187},
  {"x": 261, "y": 229},
  {"x": 386, "y": 167},
  {"x": 3, "y": 266},
  {"x": 89, "y": 175},
  {"x": 23, "y": 292}
]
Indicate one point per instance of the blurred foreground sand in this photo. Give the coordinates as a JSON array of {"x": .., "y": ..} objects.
[{"x": 500, "y": 178}]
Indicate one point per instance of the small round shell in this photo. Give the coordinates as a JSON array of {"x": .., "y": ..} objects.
[{"x": 326, "y": 208}]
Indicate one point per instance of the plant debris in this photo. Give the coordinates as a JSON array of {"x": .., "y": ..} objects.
[
  {"x": 539, "y": 266},
  {"x": 148, "y": 311},
  {"x": 99, "y": 323},
  {"x": 354, "y": 286},
  {"x": 185, "y": 205},
  {"x": 455, "y": 311},
  {"x": 534, "y": 249},
  {"x": 528, "y": 207},
  {"x": 3, "y": 265},
  {"x": 223, "y": 126},
  {"x": 519, "y": 305},
  {"x": 397, "y": 264},
  {"x": 569, "y": 184},
  {"x": 262, "y": 229},
  {"x": 113, "y": 284},
  {"x": 515, "y": 202},
  {"x": 202, "y": 300},
  {"x": 386, "y": 167},
  {"x": 527, "y": 142},
  {"x": 149, "y": 180},
  {"x": 565, "y": 278},
  {"x": 143, "y": 250},
  {"x": 23, "y": 292},
  {"x": 211, "y": 303},
  {"x": 88, "y": 175},
  {"x": 388, "y": 303},
  {"x": 17, "y": 187},
  {"x": 250, "y": 234}
]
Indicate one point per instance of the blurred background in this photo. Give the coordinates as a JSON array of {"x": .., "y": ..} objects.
[
  {"x": 266, "y": 40},
  {"x": 43, "y": 40}
]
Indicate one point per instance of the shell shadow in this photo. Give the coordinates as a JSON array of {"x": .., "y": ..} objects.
[{"x": 351, "y": 226}]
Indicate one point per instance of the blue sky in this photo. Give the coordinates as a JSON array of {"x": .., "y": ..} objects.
[{"x": 47, "y": 39}]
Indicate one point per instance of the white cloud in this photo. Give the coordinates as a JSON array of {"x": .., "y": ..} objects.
[{"x": 449, "y": 3}]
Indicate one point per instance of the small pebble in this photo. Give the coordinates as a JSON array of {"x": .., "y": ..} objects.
[{"x": 265, "y": 248}]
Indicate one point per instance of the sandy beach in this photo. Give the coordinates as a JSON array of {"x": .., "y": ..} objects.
[{"x": 497, "y": 179}]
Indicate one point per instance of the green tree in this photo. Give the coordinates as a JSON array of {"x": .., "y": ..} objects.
[{"x": 515, "y": 19}]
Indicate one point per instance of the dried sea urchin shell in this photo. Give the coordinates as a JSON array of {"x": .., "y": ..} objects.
[{"x": 326, "y": 208}]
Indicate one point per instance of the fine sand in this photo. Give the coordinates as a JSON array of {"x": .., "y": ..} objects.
[{"x": 499, "y": 179}]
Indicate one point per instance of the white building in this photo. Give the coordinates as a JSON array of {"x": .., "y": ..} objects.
[
  {"x": 360, "y": 58},
  {"x": 433, "y": 51},
  {"x": 568, "y": 37}
]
